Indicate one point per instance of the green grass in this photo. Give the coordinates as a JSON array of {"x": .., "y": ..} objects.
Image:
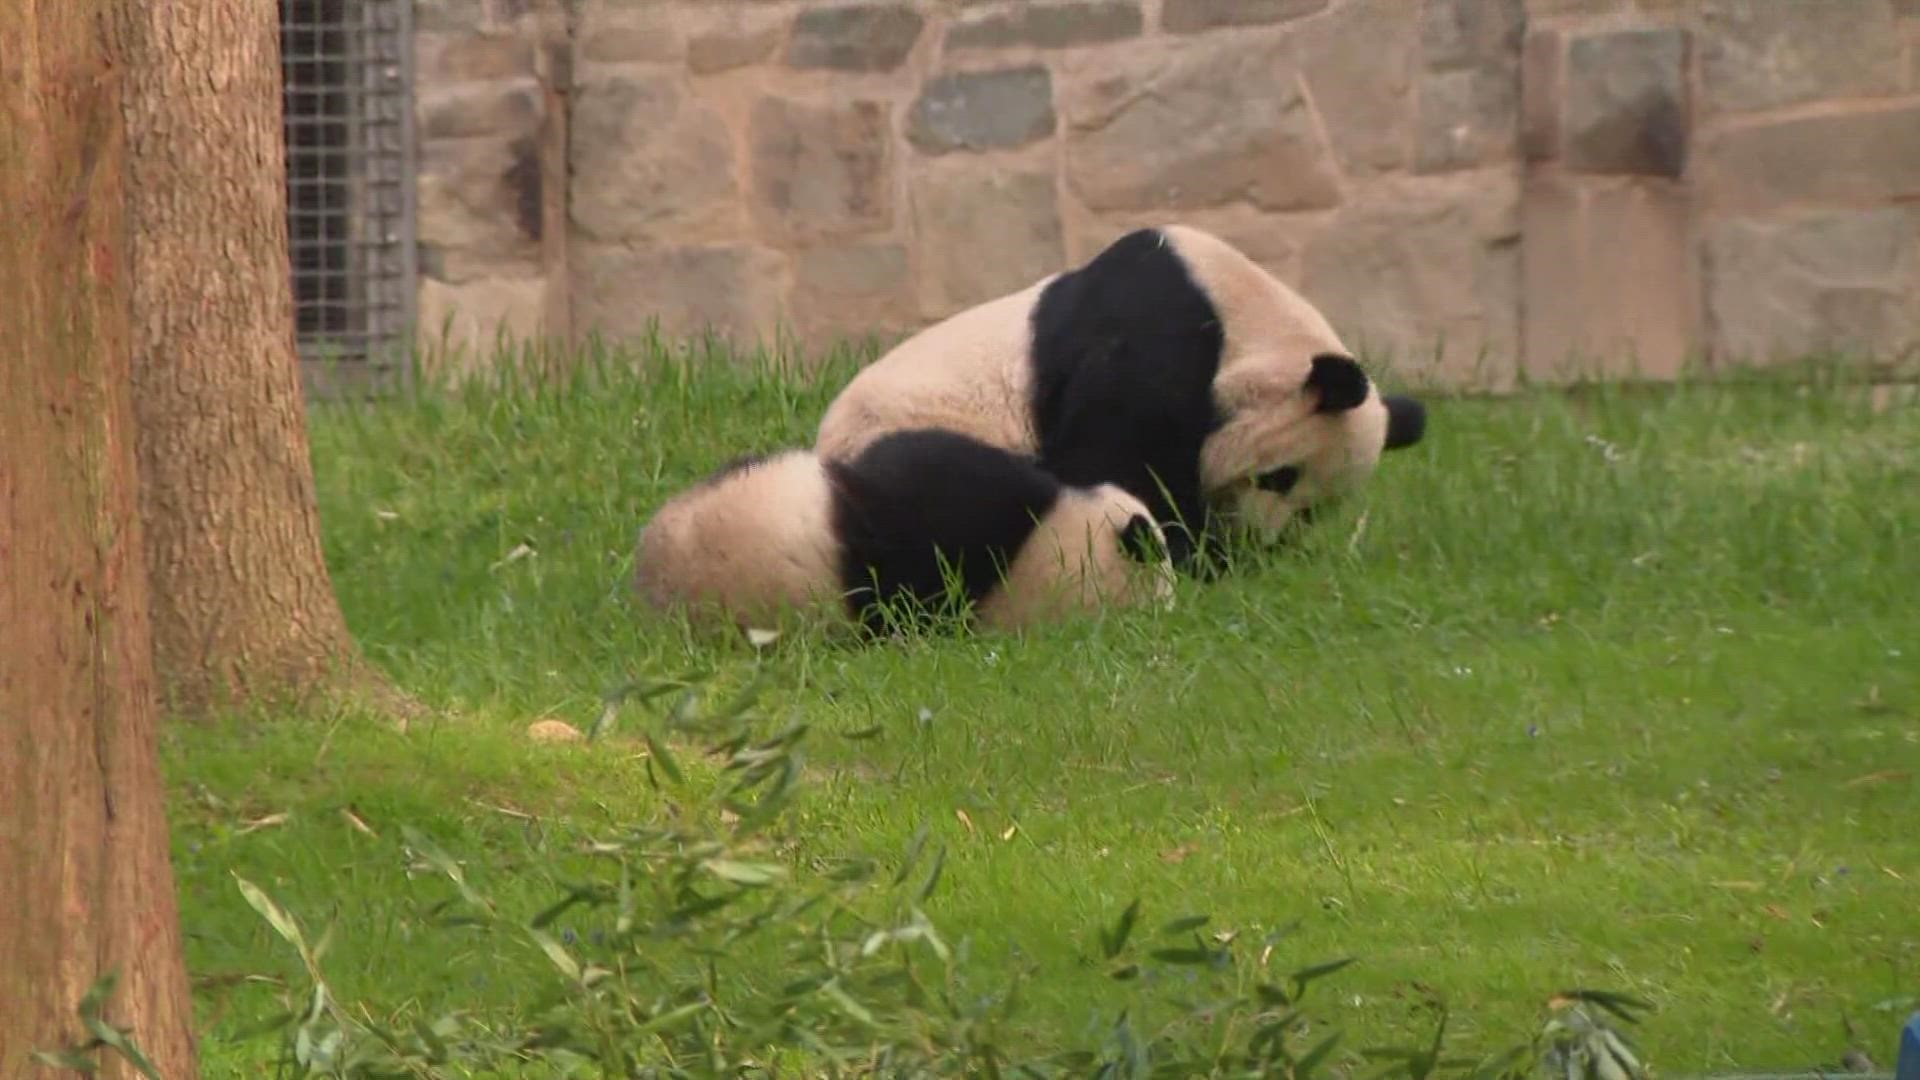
[{"x": 1613, "y": 687}]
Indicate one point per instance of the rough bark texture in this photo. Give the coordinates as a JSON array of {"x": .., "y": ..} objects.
[
  {"x": 242, "y": 602},
  {"x": 85, "y": 885}
]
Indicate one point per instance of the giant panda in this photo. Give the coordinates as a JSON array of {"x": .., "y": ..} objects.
[
  {"x": 1171, "y": 365},
  {"x": 769, "y": 534}
]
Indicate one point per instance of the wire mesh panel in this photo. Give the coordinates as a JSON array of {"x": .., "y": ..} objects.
[{"x": 349, "y": 109}]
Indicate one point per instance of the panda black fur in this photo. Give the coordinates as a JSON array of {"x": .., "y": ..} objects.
[
  {"x": 1169, "y": 364},
  {"x": 793, "y": 531}
]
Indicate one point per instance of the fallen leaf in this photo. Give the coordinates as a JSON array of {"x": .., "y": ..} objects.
[
  {"x": 964, "y": 819},
  {"x": 267, "y": 822},
  {"x": 553, "y": 731},
  {"x": 1178, "y": 854},
  {"x": 1777, "y": 912},
  {"x": 1881, "y": 777},
  {"x": 1011, "y": 829},
  {"x": 357, "y": 821}
]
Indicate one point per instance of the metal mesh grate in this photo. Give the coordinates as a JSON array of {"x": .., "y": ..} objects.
[{"x": 349, "y": 111}]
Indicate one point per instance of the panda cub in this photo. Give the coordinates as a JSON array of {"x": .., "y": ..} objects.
[
  {"x": 892, "y": 523},
  {"x": 1170, "y": 364}
]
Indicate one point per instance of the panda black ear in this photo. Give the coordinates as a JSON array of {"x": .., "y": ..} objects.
[
  {"x": 1141, "y": 542},
  {"x": 1338, "y": 382},
  {"x": 1406, "y": 421}
]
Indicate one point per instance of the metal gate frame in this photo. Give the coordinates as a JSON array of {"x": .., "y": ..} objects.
[{"x": 348, "y": 95}]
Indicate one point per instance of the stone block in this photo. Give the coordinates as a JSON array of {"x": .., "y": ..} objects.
[
  {"x": 1469, "y": 117},
  {"x": 1047, "y": 26},
  {"x": 734, "y": 291},
  {"x": 1220, "y": 120},
  {"x": 1542, "y": 69},
  {"x": 1359, "y": 60},
  {"x": 982, "y": 110},
  {"x": 1781, "y": 288},
  {"x": 651, "y": 162},
  {"x": 820, "y": 169},
  {"x": 1870, "y": 155},
  {"x": 986, "y": 229},
  {"x": 1765, "y": 55},
  {"x": 846, "y": 293},
  {"x": 850, "y": 38},
  {"x": 461, "y": 325},
  {"x": 1189, "y": 16},
  {"x": 1609, "y": 278},
  {"x": 1423, "y": 272},
  {"x": 1626, "y": 109},
  {"x": 436, "y": 15},
  {"x": 1574, "y": 8},
  {"x": 445, "y": 58},
  {"x": 738, "y": 44},
  {"x": 479, "y": 207},
  {"x": 1460, "y": 34},
  {"x": 630, "y": 34},
  {"x": 469, "y": 110}
]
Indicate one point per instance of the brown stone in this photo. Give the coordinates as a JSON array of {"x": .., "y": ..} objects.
[
  {"x": 854, "y": 38},
  {"x": 1845, "y": 280},
  {"x": 1551, "y": 8},
  {"x": 985, "y": 230},
  {"x": 1764, "y": 55},
  {"x": 434, "y": 15},
  {"x": 1220, "y": 120},
  {"x": 470, "y": 198},
  {"x": 1047, "y": 26},
  {"x": 461, "y": 326},
  {"x": 847, "y": 293},
  {"x": 648, "y": 34},
  {"x": 1626, "y": 103},
  {"x": 1359, "y": 60},
  {"x": 1189, "y": 16},
  {"x": 460, "y": 57},
  {"x": 650, "y": 162},
  {"x": 1469, "y": 117},
  {"x": 1609, "y": 278},
  {"x": 1423, "y": 272},
  {"x": 981, "y": 110},
  {"x": 730, "y": 47},
  {"x": 464, "y": 111},
  {"x": 1541, "y": 91},
  {"x": 820, "y": 169},
  {"x": 736, "y": 292},
  {"x": 1866, "y": 156}
]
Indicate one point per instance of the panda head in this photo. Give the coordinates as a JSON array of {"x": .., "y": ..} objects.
[{"x": 1286, "y": 446}]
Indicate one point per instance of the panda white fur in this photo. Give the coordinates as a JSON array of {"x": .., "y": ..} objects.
[
  {"x": 791, "y": 531},
  {"x": 1169, "y": 364}
]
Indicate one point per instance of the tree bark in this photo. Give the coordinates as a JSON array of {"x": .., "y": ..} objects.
[
  {"x": 85, "y": 884},
  {"x": 243, "y": 606}
]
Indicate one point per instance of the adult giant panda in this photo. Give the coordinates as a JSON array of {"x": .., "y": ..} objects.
[
  {"x": 793, "y": 531},
  {"x": 1170, "y": 364}
]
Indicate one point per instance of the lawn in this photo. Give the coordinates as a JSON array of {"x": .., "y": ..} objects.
[{"x": 1611, "y": 687}]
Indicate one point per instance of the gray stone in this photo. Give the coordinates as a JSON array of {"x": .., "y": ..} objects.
[
  {"x": 1189, "y": 16},
  {"x": 1456, "y": 34},
  {"x": 735, "y": 292},
  {"x": 820, "y": 169},
  {"x": 1765, "y": 55},
  {"x": 1626, "y": 103},
  {"x": 998, "y": 228},
  {"x": 464, "y": 111},
  {"x": 650, "y": 162},
  {"x": 1359, "y": 61},
  {"x": 980, "y": 110},
  {"x": 854, "y": 38},
  {"x": 650, "y": 34},
  {"x": 1048, "y": 26},
  {"x": 1868, "y": 156},
  {"x": 1847, "y": 280},
  {"x": 470, "y": 197},
  {"x": 1468, "y": 117},
  {"x": 431, "y": 15},
  {"x": 1222, "y": 119}
]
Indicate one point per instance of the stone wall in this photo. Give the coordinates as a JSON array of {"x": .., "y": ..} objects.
[{"x": 1472, "y": 187}]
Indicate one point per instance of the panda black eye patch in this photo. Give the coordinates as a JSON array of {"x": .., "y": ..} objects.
[{"x": 1279, "y": 481}]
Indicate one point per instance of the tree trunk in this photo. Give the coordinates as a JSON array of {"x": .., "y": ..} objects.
[
  {"x": 243, "y": 606},
  {"x": 85, "y": 885}
]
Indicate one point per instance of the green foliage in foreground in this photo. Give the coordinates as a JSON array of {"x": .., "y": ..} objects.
[{"x": 1605, "y": 688}]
